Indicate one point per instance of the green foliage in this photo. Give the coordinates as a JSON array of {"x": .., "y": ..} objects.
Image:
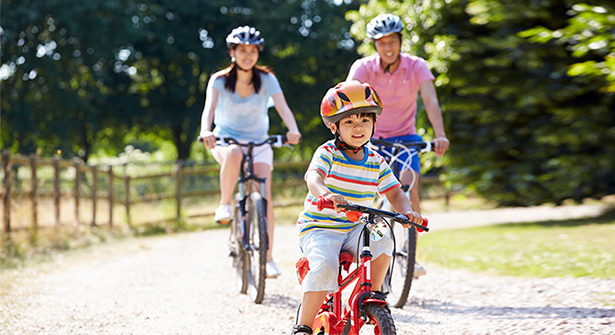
[
  {"x": 590, "y": 30},
  {"x": 80, "y": 75},
  {"x": 524, "y": 131}
]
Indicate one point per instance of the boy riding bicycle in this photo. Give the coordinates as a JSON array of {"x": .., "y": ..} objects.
[
  {"x": 342, "y": 170},
  {"x": 399, "y": 78}
]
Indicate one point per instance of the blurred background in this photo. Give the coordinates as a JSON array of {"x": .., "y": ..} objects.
[{"x": 526, "y": 87}]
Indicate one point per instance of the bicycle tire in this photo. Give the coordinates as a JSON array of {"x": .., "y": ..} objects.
[
  {"x": 381, "y": 318},
  {"x": 238, "y": 253},
  {"x": 257, "y": 253},
  {"x": 399, "y": 283}
]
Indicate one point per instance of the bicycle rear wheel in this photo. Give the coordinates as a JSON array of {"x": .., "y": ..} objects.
[
  {"x": 257, "y": 253},
  {"x": 237, "y": 252},
  {"x": 399, "y": 281}
]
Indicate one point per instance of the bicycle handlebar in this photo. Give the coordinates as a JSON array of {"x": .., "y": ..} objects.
[
  {"x": 354, "y": 212},
  {"x": 422, "y": 146},
  {"x": 276, "y": 141}
]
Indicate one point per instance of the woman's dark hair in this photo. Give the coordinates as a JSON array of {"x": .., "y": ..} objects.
[{"x": 230, "y": 78}]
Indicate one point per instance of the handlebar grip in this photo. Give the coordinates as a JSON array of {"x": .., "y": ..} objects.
[
  {"x": 323, "y": 203},
  {"x": 425, "y": 223}
]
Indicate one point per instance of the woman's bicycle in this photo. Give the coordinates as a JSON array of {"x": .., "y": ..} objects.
[
  {"x": 398, "y": 280},
  {"x": 249, "y": 241},
  {"x": 365, "y": 308}
]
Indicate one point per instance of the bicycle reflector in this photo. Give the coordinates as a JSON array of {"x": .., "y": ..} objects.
[{"x": 302, "y": 267}]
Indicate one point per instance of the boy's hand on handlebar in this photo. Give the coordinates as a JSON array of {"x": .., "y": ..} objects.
[
  {"x": 336, "y": 199},
  {"x": 416, "y": 218},
  {"x": 209, "y": 139},
  {"x": 293, "y": 137}
]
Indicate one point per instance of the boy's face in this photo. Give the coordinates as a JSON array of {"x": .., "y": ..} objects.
[{"x": 355, "y": 130}]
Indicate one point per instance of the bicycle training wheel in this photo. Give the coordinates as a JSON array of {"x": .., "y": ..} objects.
[
  {"x": 257, "y": 253},
  {"x": 381, "y": 321},
  {"x": 237, "y": 252},
  {"x": 399, "y": 281}
]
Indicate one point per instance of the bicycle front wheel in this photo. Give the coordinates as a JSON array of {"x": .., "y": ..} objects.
[
  {"x": 399, "y": 280},
  {"x": 258, "y": 245},
  {"x": 380, "y": 320}
]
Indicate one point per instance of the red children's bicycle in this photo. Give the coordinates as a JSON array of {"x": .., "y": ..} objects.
[{"x": 364, "y": 307}]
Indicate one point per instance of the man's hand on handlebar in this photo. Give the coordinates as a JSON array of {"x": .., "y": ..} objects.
[{"x": 440, "y": 144}]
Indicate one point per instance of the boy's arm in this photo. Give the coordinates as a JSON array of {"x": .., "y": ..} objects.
[
  {"x": 430, "y": 100},
  {"x": 316, "y": 185},
  {"x": 401, "y": 204}
]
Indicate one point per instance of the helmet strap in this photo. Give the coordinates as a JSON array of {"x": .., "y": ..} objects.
[{"x": 341, "y": 145}]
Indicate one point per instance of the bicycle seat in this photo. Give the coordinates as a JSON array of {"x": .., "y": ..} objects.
[{"x": 346, "y": 260}]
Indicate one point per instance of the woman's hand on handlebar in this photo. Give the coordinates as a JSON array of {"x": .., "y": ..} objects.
[
  {"x": 293, "y": 137},
  {"x": 209, "y": 139}
]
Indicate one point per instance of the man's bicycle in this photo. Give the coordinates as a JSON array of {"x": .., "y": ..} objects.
[
  {"x": 365, "y": 308},
  {"x": 398, "y": 280},
  {"x": 249, "y": 242}
]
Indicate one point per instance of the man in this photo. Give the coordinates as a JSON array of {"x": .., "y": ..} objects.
[{"x": 399, "y": 77}]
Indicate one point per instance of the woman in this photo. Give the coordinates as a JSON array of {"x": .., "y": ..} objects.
[{"x": 236, "y": 100}]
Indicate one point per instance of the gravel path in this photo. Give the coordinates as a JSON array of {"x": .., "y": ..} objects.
[{"x": 184, "y": 284}]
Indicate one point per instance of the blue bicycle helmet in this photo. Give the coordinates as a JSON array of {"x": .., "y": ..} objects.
[
  {"x": 384, "y": 25},
  {"x": 245, "y": 35}
]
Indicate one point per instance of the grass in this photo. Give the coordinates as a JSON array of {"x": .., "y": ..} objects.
[{"x": 578, "y": 248}]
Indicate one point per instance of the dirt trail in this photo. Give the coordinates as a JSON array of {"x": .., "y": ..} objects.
[{"x": 184, "y": 284}]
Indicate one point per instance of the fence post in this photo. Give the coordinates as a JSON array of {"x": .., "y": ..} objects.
[
  {"x": 6, "y": 199},
  {"x": 77, "y": 181},
  {"x": 178, "y": 186},
  {"x": 127, "y": 185},
  {"x": 110, "y": 196},
  {"x": 33, "y": 193},
  {"x": 94, "y": 191},
  {"x": 56, "y": 188}
]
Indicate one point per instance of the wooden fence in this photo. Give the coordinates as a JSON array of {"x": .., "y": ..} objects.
[{"x": 177, "y": 174}]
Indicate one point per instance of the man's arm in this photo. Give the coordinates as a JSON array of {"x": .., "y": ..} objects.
[{"x": 430, "y": 100}]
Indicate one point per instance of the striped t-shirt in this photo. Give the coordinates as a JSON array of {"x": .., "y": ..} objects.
[{"x": 357, "y": 181}]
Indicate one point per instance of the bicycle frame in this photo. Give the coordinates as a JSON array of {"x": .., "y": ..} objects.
[{"x": 350, "y": 318}]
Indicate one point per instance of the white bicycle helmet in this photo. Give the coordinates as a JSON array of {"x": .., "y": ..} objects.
[
  {"x": 245, "y": 35},
  {"x": 384, "y": 25}
]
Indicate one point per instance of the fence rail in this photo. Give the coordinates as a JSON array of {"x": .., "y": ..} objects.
[{"x": 82, "y": 170}]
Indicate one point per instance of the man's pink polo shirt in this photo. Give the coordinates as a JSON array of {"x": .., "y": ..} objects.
[{"x": 398, "y": 91}]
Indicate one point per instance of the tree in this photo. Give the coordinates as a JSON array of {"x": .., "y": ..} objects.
[
  {"x": 524, "y": 131},
  {"x": 59, "y": 87}
]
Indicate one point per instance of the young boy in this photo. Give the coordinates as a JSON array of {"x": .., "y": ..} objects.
[{"x": 344, "y": 170}]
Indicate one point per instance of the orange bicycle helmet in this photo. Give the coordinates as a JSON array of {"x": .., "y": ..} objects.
[{"x": 348, "y": 98}]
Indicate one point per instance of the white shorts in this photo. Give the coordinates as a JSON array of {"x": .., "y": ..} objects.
[
  {"x": 260, "y": 154},
  {"x": 322, "y": 248}
]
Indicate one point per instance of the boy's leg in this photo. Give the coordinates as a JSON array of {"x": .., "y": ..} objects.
[
  {"x": 310, "y": 304},
  {"x": 380, "y": 266}
]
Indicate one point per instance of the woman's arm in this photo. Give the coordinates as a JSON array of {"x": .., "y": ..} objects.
[
  {"x": 207, "y": 119},
  {"x": 430, "y": 100},
  {"x": 287, "y": 116}
]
